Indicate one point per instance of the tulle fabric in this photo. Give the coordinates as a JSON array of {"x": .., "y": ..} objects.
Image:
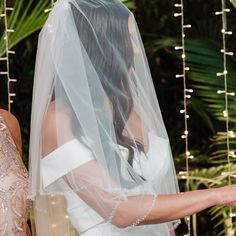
[{"x": 97, "y": 135}]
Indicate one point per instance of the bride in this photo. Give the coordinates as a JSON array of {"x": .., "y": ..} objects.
[{"x": 101, "y": 163}]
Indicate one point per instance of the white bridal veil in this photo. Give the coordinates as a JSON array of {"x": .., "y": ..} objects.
[{"x": 98, "y": 149}]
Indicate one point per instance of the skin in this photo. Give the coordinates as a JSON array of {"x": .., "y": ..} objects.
[
  {"x": 131, "y": 27},
  {"x": 14, "y": 128},
  {"x": 166, "y": 207}
]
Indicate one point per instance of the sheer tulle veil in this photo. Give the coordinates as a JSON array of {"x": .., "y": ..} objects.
[{"x": 97, "y": 134}]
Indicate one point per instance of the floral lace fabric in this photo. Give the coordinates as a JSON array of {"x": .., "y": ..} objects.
[{"x": 13, "y": 186}]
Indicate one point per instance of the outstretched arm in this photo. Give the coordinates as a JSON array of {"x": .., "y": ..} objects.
[
  {"x": 91, "y": 182},
  {"x": 165, "y": 208}
]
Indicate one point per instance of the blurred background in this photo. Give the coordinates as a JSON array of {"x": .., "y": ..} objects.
[{"x": 161, "y": 32}]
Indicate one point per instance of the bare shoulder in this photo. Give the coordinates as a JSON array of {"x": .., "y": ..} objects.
[
  {"x": 56, "y": 118},
  {"x": 13, "y": 126},
  {"x": 9, "y": 117},
  {"x": 56, "y": 126}
]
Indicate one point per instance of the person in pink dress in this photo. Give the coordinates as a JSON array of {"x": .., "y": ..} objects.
[{"x": 13, "y": 179}]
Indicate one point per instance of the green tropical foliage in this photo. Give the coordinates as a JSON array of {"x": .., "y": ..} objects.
[
  {"x": 25, "y": 19},
  {"x": 160, "y": 32},
  {"x": 233, "y": 2},
  {"x": 205, "y": 60},
  {"x": 203, "y": 46}
]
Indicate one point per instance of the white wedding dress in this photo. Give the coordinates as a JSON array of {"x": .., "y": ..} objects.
[{"x": 74, "y": 154}]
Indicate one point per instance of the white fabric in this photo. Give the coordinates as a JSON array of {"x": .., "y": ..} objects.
[
  {"x": 94, "y": 95},
  {"x": 58, "y": 163},
  {"x": 63, "y": 160}
]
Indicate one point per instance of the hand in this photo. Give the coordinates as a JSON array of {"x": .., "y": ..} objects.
[{"x": 226, "y": 195}]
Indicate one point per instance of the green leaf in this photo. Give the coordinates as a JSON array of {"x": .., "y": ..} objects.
[
  {"x": 233, "y": 3},
  {"x": 24, "y": 21}
]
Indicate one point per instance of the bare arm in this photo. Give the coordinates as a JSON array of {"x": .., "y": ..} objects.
[{"x": 165, "y": 208}]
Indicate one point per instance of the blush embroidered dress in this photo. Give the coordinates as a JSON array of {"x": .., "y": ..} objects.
[{"x": 13, "y": 186}]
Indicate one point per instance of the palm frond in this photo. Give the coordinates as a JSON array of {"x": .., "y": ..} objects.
[
  {"x": 24, "y": 21},
  {"x": 233, "y": 3},
  {"x": 205, "y": 60},
  {"x": 130, "y": 4},
  {"x": 211, "y": 178}
]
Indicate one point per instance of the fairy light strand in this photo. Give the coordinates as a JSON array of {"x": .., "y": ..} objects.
[
  {"x": 49, "y": 9},
  {"x": 5, "y": 58},
  {"x": 224, "y": 74},
  {"x": 187, "y": 95}
]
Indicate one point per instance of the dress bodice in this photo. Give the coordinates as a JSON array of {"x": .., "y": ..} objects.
[
  {"x": 13, "y": 186},
  {"x": 74, "y": 154}
]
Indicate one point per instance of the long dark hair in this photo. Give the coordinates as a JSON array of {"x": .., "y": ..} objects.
[{"x": 111, "y": 53}]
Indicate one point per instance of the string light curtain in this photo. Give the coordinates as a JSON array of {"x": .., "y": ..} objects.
[
  {"x": 186, "y": 95},
  {"x": 226, "y": 93},
  {"x": 6, "y": 58}
]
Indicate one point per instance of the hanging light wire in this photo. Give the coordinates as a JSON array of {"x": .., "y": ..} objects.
[
  {"x": 6, "y": 57},
  {"x": 186, "y": 95},
  {"x": 49, "y": 9},
  {"x": 229, "y": 133}
]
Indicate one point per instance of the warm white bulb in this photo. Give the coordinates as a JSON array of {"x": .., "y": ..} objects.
[
  {"x": 179, "y": 76},
  {"x": 11, "y": 52},
  {"x": 177, "y": 14},
  {"x": 189, "y": 90},
  {"x": 47, "y": 10},
  {"x": 178, "y": 47},
  {"x": 231, "y": 134},
  {"x": 10, "y": 30},
  {"x": 219, "y": 12},
  {"x": 232, "y": 214},
  {"x": 182, "y": 172},
  {"x": 178, "y": 5},
  {"x": 225, "y": 113},
  {"x": 187, "y": 26},
  {"x": 232, "y": 154},
  {"x": 231, "y": 94},
  {"x": 229, "y": 53}
]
